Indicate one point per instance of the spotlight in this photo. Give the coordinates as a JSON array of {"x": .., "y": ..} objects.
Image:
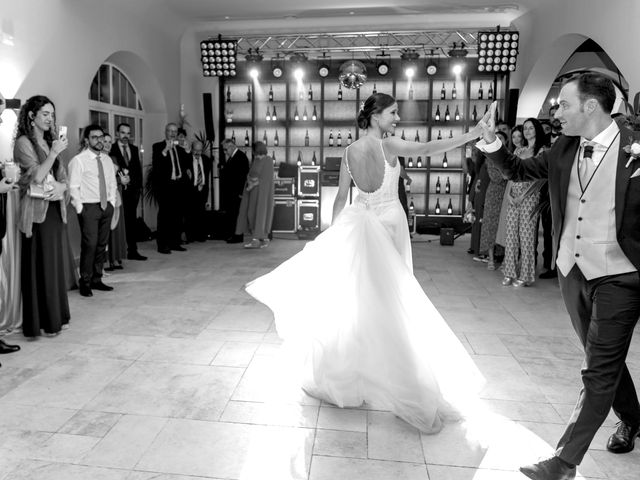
[
  {"x": 218, "y": 57},
  {"x": 253, "y": 61},
  {"x": 254, "y": 73},
  {"x": 432, "y": 66},
  {"x": 299, "y": 61},
  {"x": 298, "y": 73},
  {"x": 324, "y": 65},
  {"x": 409, "y": 60},
  {"x": 497, "y": 51},
  {"x": 457, "y": 69},
  {"x": 383, "y": 64},
  {"x": 277, "y": 66}
]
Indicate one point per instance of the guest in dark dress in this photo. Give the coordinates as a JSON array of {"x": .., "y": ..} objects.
[
  {"x": 43, "y": 215},
  {"x": 117, "y": 246}
]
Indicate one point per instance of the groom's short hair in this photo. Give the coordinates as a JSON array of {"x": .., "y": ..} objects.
[{"x": 598, "y": 87}]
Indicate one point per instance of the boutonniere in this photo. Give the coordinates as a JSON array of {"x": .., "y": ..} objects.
[{"x": 633, "y": 150}]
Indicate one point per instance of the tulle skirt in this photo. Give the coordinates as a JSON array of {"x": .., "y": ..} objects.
[{"x": 361, "y": 326}]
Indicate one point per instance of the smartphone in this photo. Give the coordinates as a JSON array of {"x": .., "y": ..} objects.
[
  {"x": 62, "y": 131},
  {"x": 12, "y": 103}
]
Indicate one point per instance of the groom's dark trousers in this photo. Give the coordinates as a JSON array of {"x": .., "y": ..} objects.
[{"x": 604, "y": 312}]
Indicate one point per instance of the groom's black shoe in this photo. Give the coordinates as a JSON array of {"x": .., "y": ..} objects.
[
  {"x": 624, "y": 439},
  {"x": 6, "y": 348},
  {"x": 553, "y": 468}
]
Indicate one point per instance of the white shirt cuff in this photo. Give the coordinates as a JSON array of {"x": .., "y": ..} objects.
[{"x": 489, "y": 147}]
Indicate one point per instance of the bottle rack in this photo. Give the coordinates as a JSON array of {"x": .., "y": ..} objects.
[{"x": 336, "y": 110}]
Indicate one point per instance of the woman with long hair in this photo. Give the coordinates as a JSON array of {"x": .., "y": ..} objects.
[
  {"x": 519, "y": 266},
  {"x": 43, "y": 216},
  {"x": 349, "y": 305}
]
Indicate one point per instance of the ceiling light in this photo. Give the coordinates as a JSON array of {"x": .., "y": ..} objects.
[
  {"x": 353, "y": 74},
  {"x": 497, "y": 51},
  {"x": 253, "y": 61},
  {"x": 409, "y": 58},
  {"x": 298, "y": 73},
  {"x": 277, "y": 66},
  {"x": 324, "y": 64},
  {"x": 218, "y": 57},
  {"x": 383, "y": 63}
]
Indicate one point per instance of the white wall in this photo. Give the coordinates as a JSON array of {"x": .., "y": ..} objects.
[{"x": 59, "y": 45}]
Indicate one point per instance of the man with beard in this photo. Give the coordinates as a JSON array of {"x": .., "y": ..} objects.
[{"x": 92, "y": 185}]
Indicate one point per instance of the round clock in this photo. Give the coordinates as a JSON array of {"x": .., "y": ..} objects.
[{"x": 431, "y": 69}]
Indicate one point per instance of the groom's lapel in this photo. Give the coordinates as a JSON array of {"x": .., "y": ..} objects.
[
  {"x": 623, "y": 173},
  {"x": 565, "y": 160}
]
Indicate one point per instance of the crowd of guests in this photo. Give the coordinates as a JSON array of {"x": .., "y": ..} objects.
[
  {"x": 506, "y": 216},
  {"x": 102, "y": 184}
]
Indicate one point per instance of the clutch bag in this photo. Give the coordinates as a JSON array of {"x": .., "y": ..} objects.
[{"x": 39, "y": 190}]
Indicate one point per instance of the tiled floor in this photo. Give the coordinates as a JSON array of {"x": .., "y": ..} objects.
[{"x": 178, "y": 375}]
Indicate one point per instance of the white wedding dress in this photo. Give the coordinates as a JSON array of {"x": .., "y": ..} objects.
[{"x": 362, "y": 326}]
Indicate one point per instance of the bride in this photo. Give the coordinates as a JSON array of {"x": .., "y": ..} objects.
[{"x": 349, "y": 305}]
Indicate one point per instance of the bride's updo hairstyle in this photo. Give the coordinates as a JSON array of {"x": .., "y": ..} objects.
[{"x": 376, "y": 103}]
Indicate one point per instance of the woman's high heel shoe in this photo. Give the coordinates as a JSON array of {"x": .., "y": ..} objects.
[{"x": 506, "y": 281}]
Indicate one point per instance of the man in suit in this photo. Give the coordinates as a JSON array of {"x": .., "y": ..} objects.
[
  {"x": 594, "y": 187},
  {"x": 128, "y": 160},
  {"x": 168, "y": 164},
  {"x": 198, "y": 189},
  {"x": 233, "y": 177}
]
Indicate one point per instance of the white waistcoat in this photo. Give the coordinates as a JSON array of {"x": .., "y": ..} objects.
[{"x": 589, "y": 231}]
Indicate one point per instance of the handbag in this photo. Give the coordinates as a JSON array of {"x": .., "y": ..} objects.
[{"x": 40, "y": 190}]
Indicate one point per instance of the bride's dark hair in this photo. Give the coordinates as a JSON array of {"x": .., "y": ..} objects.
[{"x": 376, "y": 103}]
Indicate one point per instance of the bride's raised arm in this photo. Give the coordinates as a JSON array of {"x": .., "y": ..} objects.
[{"x": 405, "y": 148}]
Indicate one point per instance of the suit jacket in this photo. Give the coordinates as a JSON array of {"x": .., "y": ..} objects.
[
  {"x": 162, "y": 168},
  {"x": 234, "y": 175},
  {"x": 555, "y": 166},
  {"x": 135, "y": 167}
]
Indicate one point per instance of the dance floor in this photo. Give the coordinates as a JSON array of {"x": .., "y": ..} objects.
[{"x": 179, "y": 375}]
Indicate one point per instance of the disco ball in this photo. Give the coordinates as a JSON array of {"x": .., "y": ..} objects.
[{"x": 353, "y": 74}]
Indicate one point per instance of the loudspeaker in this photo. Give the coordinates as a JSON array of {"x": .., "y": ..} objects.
[
  {"x": 207, "y": 103},
  {"x": 512, "y": 106}
]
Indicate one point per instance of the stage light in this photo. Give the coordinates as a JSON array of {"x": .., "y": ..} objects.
[
  {"x": 277, "y": 66},
  {"x": 299, "y": 63},
  {"x": 497, "y": 51},
  {"x": 253, "y": 63},
  {"x": 324, "y": 64},
  {"x": 457, "y": 69},
  {"x": 383, "y": 64},
  {"x": 409, "y": 59},
  {"x": 458, "y": 52},
  {"x": 353, "y": 74},
  {"x": 254, "y": 73},
  {"x": 218, "y": 57},
  {"x": 298, "y": 73}
]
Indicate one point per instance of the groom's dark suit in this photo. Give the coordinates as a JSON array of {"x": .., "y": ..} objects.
[{"x": 603, "y": 310}]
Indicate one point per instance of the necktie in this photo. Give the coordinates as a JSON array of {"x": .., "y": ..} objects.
[
  {"x": 125, "y": 155},
  {"x": 103, "y": 184},
  {"x": 175, "y": 164},
  {"x": 199, "y": 176},
  {"x": 587, "y": 166}
]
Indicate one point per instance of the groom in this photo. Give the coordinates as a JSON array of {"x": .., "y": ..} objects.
[{"x": 594, "y": 186}]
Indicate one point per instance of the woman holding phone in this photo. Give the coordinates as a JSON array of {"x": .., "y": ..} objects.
[{"x": 43, "y": 217}]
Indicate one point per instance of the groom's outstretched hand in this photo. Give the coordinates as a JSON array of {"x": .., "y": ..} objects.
[{"x": 488, "y": 124}]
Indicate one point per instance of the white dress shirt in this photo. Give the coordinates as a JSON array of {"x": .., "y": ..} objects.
[
  {"x": 197, "y": 165},
  {"x": 84, "y": 183}
]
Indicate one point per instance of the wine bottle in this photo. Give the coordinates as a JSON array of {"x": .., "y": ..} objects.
[
  {"x": 417, "y": 137},
  {"x": 443, "y": 93},
  {"x": 271, "y": 93},
  {"x": 402, "y": 136},
  {"x": 339, "y": 91},
  {"x": 410, "y": 92},
  {"x": 410, "y": 162},
  {"x": 248, "y": 93},
  {"x": 331, "y": 138},
  {"x": 299, "y": 161},
  {"x": 437, "y": 117},
  {"x": 412, "y": 207},
  {"x": 456, "y": 115},
  {"x": 437, "y": 209},
  {"x": 268, "y": 115},
  {"x": 314, "y": 115},
  {"x": 305, "y": 117},
  {"x": 228, "y": 93},
  {"x": 314, "y": 160},
  {"x": 273, "y": 155},
  {"x": 445, "y": 161},
  {"x": 296, "y": 115},
  {"x": 246, "y": 138},
  {"x": 419, "y": 162},
  {"x": 450, "y": 133},
  {"x": 306, "y": 139},
  {"x": 480, "y": 92},
  {"x": 310, "y": 94},
  {"x": 349, "y": 138},
  {"x": 274, "y": 115},
  {"x": 264, "y": 138},
  {"x": 449, "y": 208},
  {"x": 276, "y": 140},
  {"x": 447, "y": 186},
  {"x": 439, "y": 135},
  {"x": 339, "y": 139},
  {"x": 474, "y": 115},
  {"x": 438, "y": 185},
  {"x": 490, "y": 92},
  {"x": 375, "y": 90},
  {"x": 454, "y": 92},
  {"x": 447, "y": 115},
  {"x": 233, "y": 136}
]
